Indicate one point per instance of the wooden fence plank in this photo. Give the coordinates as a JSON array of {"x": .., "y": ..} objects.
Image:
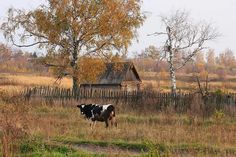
[{"x": 181, "y": 100}]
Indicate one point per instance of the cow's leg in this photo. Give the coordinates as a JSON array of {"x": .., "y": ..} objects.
[
  {"x": 94, "y": 123},
  {"x": 113, "y": 122},
  {"x": 106, "y": 121}
]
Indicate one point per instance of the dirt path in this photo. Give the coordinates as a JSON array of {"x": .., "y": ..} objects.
[
  {"x": 107, "y": 150},
  {"x": 114, "y": 150}
]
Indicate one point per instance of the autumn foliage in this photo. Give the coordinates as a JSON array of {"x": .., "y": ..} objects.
[
  {"x": 90, "y": 69},
  {"x": 72, "y": 29}
]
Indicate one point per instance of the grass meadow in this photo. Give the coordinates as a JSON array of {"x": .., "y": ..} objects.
[{"x": 48, "y": 128}]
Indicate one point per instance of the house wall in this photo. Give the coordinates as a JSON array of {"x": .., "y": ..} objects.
[
  {"x": 126, "y": 85},
  {"x": 126, "y": 80},
  {"x": 98, "y": 86}
]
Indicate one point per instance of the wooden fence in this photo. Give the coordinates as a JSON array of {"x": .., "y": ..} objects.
[
  {"x": 67, "y": 94},
  {"x": 182, "y": 101}
]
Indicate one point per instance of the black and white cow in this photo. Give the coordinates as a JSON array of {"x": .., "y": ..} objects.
[{"x": 95, "y": 112}]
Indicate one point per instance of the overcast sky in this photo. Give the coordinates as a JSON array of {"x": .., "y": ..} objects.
[{"x": 222, "y": 13}]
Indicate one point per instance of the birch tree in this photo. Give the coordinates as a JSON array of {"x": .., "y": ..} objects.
[
  {"x": 184, "y": 39},
  {"x": 71, "y": 29}
]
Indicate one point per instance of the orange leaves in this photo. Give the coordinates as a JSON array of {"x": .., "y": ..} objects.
[
  {"x": 79, "y": 28},
  {"x": 90, "y": 68},
  {"x": 87, "y": 21}
]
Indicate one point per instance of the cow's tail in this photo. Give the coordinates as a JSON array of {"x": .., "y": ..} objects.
[
  {"x": 114, "y": 122},
  {"x": 112, "y": 111},
  {"x": 113, "y": 114}
]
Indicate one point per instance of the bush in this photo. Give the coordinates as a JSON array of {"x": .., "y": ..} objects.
[
  {"x": 219, "y": 92},
  {"x": 157, "y": 150},
  {"x": 219, "y": 115},
  {"x": 32, "y": 146}
]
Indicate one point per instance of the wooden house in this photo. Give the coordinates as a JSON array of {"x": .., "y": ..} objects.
[{"x": 119, "y": 75}]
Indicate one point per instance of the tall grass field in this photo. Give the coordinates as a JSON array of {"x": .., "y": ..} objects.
[{"x": 39, "y": 127}]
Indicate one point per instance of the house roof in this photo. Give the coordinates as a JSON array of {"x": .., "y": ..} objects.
[{"x": 118, "y": 72}]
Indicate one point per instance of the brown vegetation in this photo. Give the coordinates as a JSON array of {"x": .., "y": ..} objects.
[
  {"x": 180, "y": 133},
  {"x": 13, "y": 122},
  {"x": 189, "y": 133}
]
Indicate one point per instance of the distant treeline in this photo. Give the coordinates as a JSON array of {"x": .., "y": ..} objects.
[
  {"x": 148, "y": 60},
  {"x": 220, "y": 63},
  {"x": 18, "y": 61}
]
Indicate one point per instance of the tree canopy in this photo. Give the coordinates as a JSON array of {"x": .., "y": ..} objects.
[{"x": 70, "y": 29}]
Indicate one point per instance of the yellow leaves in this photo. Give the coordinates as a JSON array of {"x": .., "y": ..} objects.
[
  {"x": 90, "y": 69},
  {"x": 81, "y": 27},
  {"x": 39, "y": 17},
  {"x": 85, "y": 20}
]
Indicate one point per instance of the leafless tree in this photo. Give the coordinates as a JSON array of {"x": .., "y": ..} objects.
[{"x": 184, "y": 40}]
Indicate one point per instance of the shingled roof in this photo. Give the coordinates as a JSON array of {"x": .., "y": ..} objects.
[{"x": 118, "y": 72}]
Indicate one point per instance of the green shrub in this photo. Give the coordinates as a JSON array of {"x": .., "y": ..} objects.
[
  {"x": 39, "y": 147},
  {"x": 219, "y": 92},
  {"x": 219, "y": 115},
  {"x": 157, "y": 150}
]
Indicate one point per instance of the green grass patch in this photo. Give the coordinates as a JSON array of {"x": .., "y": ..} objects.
[
  {"x": 37, "y": 148},
  {"x": 32, "y": 146},
  {"x": 58, "y": 154},
  {"x": 119, "y": 144}
]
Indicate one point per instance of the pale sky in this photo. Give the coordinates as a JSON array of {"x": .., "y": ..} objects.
[{"x": 222, "y": 13}]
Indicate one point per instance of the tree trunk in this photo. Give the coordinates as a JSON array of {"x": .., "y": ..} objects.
[
  {"x": 75, "y": 66},
  {"x": 75, "y": 83},
  {"x": 173, "y": 79},
  {"x": 172, "y": 73},
  {"x": 170, "y": 61}
]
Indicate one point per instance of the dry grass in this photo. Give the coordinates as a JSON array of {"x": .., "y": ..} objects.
[
  {"x": 18, "y": 82},
  {"x": 170, "y": 129},
  {"x": 33, "y": 80},
  {"x": 151, "y": 80},
  {"x": 51, "y": 121},
  {"x": 186, "y": 82},
  {"x": 58, "y": 122}
]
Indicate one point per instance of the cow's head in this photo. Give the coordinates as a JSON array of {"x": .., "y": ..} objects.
[{"x": 81, "y": 107}]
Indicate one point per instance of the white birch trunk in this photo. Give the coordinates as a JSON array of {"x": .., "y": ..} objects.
[
  {"x": 172, "y": 73},
  {"x": 171, "y": 62},
  {"x": 173, "y": 80}
]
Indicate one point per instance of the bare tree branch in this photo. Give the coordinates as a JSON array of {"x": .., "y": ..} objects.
[
  {"x": 157, "y": 33},
  {"x": 184, "y": 36},
  {"x": 189, "y": 57},
  {"x": 29, "y": 45}
]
